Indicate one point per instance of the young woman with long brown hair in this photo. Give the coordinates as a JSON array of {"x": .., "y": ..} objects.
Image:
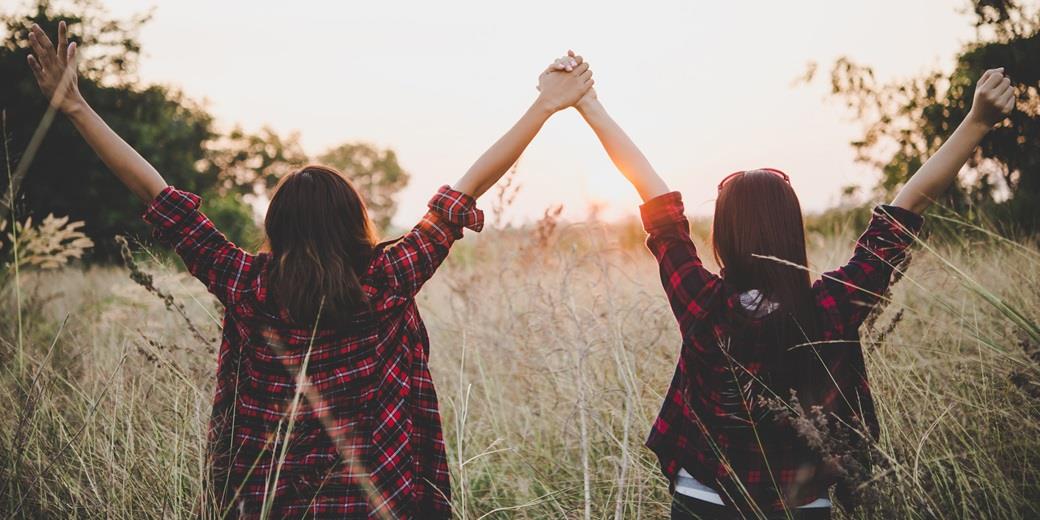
[
  {"x": 324, "y": 404},
  {"x": 761, "y": 329}
]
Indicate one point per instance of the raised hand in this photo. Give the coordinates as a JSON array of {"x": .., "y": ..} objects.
[
  {"x": 568, "y": 63},
  {"x": 994, "y": 98},
  {"x": 564, "y": 82},
  {"x": 55, "y": 69}
]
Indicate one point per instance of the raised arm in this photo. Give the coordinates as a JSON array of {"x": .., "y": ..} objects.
[
  {"x": 557, "y": 91},
  {"x": 409, "y": 262},
  {"x": 994, "y": 100},
  {"x": 55, "y": 71},
  {"x": 174, "y": 215},
  {"x": 692, "y": 290},
  {"x": 622, "y": 151}
]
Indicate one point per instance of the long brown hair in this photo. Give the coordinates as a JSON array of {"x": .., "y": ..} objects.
[
  {"x": 320, "y": 239},
  {"x": 757, "y": 214}
]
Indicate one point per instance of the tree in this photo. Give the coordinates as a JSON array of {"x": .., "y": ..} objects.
[
  {"x": 173, "y": 132},
  {"x": 376, "y": 174},
  {"x": 251, "y": 164},
  {"x": 906, "y": 121},
  {"x": 65, "y": 177}
]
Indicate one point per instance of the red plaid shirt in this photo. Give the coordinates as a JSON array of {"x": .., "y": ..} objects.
[
  {"x": 366, "y": 436},
  {"x": 710, "y": 423}
]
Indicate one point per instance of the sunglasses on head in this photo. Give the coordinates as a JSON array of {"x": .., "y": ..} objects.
[{"x": 773, "y": 171}]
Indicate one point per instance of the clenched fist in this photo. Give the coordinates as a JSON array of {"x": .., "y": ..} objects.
[{"x": 994, "y": 98}]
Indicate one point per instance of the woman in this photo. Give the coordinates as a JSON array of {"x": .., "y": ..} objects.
[
  {"x": 324, "y": 404},
  {"x": 760, "y": 329}
]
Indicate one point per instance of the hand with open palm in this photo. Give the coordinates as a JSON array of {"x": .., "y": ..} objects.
[{"x": 55, "y": 69}]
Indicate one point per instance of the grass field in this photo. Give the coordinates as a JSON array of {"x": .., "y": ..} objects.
[{"x": 551, "y": 350}]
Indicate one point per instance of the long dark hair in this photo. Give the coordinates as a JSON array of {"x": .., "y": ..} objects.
[
  {"x": 320, "y": 239},
  {"x": 757, "y": 214}
]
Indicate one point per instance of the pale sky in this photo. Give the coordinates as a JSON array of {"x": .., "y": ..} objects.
[{"x": 704, "y": 88}]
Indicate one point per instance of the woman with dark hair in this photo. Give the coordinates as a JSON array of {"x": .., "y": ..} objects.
[
  {"x": 760, "y": 331},
  {"x": 324, "y": 404}
]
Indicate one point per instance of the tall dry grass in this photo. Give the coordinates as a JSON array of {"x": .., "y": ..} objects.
[{"x": 551, "y": 350}]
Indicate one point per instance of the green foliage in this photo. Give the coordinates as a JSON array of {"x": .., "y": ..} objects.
[
  {"x": 375, "y": 172},
  {"x": 173, "y": 132},
  {"x": 252, "y": 163},
  {"x": 906, "y": 121},
  {"x": 234, "y": 217},
  {"x": 65, "y": 176}
]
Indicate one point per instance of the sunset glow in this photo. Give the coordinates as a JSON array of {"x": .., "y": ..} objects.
[{"x": 705, "y": 89}]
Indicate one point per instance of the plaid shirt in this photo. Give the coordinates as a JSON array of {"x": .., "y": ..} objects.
[
  {"x": 710, "y": 423},
  {"x": 366, "y": 436}
]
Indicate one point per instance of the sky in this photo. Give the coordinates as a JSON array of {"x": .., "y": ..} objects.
[{"x": 703, "y": 88}]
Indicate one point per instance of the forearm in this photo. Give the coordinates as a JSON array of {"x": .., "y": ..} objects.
[
  {"x": 128, "y": 165},
  {"x": 623, "y": 152},
  {"x": 497, "y": 160},
  {"x": 939, "y": 171}
]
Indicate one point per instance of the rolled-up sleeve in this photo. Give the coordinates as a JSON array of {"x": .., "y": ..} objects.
[
  {"x": 689, "y": 286},
  {"x": 177, "y": 222},
  {"x": 855, "y": 288},
  {"x": 409, "y": 262}
]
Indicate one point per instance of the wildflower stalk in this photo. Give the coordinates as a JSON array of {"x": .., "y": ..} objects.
[{"x": 20, "y": 352}]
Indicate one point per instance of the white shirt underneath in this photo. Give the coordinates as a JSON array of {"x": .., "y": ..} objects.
[{"x": 686, "y": 485}]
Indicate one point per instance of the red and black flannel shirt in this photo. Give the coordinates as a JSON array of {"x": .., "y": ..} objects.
[
  {"x": 710, "y": 423},
  {"x": 366, "y": 437}
]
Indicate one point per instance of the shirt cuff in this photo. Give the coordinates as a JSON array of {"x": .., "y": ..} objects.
[
  {"x": 663, "y": 210},
  {"x": 169, "y": 207},
  {"x": 902, "y": 222},
  {"x": 457, "y": 208}
]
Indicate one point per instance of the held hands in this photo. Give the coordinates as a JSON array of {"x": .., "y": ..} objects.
[
  {"x": 564, "y": 83},
  {"x": 568, "y": 63},
  {"x": 994, "y": 98},
  {"x": 55, "y": 69}
]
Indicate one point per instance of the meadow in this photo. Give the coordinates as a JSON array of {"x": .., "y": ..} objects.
[{"x": 552, "y": 347}]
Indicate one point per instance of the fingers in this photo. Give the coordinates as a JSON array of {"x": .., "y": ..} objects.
[
  {"x": 562, "y": 64},
  {"x": 37, "y": 49},
  {"x": 37, "y": 70},
  {"x": 580, "y": 69},
  {"x": 70, "y": 54},
  {"x": 1008, "y": 106},
  {"x": 994, "y": 78},
  {"x": 586, "y": 76},
  {"x": 44, "y": 41},
  {"x": 989, "y": 73},
  {"x": 568, "y": 63},
  {"x": 42, "y": 48},
  {"x": 999, "y": 92},
  {"x": 984, "y": 77},
  {"x": 1005, "y": 98},
  {"x": 63, "y": 42}
]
